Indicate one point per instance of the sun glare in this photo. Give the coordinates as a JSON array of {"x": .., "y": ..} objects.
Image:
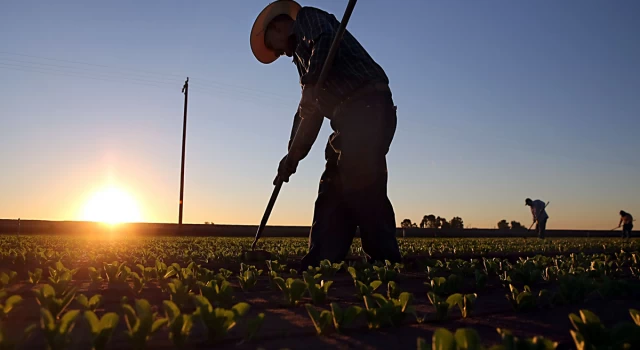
[{"x": 112, "y": 205}]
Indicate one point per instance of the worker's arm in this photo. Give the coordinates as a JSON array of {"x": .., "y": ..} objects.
[
  {"x": 620, "y": 223},
  {"x": 309, "y": 124}
]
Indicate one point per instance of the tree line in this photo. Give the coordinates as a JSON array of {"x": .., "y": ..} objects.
[
  {"x": 431, "y": 221},
  {"x": 503, "y": 225}
]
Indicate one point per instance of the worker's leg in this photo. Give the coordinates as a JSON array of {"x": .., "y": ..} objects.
[
  {"x": 366, "y": 131},
  {"x": 626, "y": 230},
  {"x": 542, "y": 227},
  {"x": 332, "y": 229}
]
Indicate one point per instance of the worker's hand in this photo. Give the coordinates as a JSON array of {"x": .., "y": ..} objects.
[{"x": 286, "y": 168}]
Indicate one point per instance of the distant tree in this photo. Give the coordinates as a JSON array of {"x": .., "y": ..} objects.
[
  {"x": 503, "y": 225},
  {"x": 444, "y": 224},
  {"x": 431, "y": 222},
  {"x": 208, "y": 223},
  {"x": 457, "y": 223},
  {"x": 424, "y": 221},
  {"x": 516, "y": 226},
  {"x": 406, "y": 223}
]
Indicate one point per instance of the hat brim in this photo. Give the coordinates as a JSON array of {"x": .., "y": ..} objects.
[{"x": 276, "y": 8}]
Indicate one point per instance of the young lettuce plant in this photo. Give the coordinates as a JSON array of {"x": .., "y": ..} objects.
[
  {"x": 381, "y": 312},
  {"x": 48, "y": 299},
  {"x": 219, "y": 321},
  {"x": 292, "y": 289},
  {"x": 89, "y": 304},
  {"x": 180, "y": 325},
  {"x": 318, "y": 292},
  {"x": 219, "y": 294},
  {"x": 248, "y": 277},
  {"x": 35, "y": 276},
  {"x": 253, "y": 327},
  {"x": 367, "y": 290},
  {"x": 393, "y": 291},
  {"x": 56, "y": 332},
  {"x": 343, "y": 318},
  {"x": 321, "y": 320},
  {"x": 441, "y": 305},
  {"x": 590, "y": 333},
  {"x": 95, "y": 275},
  {"x": 101, "y": 329},
  {"x": 117, "y": 274},
  {"x": 179, "y": 292},
  {"x": 463, "y": 339},
  {"x": 511, "y": 342},
  {"x": 521, "y": 301},
  {"x": 464, "y": 302},
  {"x": 140, "y": 323}
]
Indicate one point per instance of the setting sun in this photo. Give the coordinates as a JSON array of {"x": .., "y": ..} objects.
[{"x": 112, "y": 205}]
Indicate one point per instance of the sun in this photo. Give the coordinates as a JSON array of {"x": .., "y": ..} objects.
[{"x": 112, "y": 205}]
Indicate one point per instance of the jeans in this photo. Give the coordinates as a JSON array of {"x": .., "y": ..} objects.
[
  {"x": 626, "y": 230},
  {"x": 353, "y": 187},
  {"x": 541, "y": 227}
]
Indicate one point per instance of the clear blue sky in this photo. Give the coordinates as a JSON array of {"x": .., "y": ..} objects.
[{"x": 497, "y": 101}]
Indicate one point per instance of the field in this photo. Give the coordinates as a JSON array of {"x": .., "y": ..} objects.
[{"x": 467, "y": 293}]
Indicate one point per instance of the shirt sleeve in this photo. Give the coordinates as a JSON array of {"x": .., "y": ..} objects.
[{"x": 315, "y": 28}]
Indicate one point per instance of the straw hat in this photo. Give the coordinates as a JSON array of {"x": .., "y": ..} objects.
[{"x": 276, "y": 8}]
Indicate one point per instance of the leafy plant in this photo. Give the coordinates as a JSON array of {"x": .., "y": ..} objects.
[
  {"x": 381, "y": 311},
  {"x": 511, "y": 342},
  {"x": 317, "y": 291},
  {"x": 101, "y": 328},
  {"x": 343, "y": 318},
  {"x": 218, "y": 293},
  {"x": 180, "y": 325},
  {"x": 365, "y": 275},
  {"x": 463, "y": 339},
  {"x": 8, "y": 305},
  {"x": 35, "y": 276},
  {"x": 589, "y": 333},
  {"x": 95, "y": 275},
  {"x": 179, "y": 292},
  {"x": 464, "y": 302},
  {"x": 521, "y": 301},
  {"x": 140, "y": 323},
  {"x": 89, "y": 304},
  {"x": 321, "y": 320},
  {"x": 441, "y": 305},
  {"x": 253, "y": 327},
  {"x": 393, "y": 291},
  {"x": 116, "y": 273},
  {"x": 48, "y": 299},
  {"x": 219, "y": 321},
  {"x": 292, "y": 289},
  {"x": 56, "y": 332},
  {"x": 364, "y": 289},
  {"x": 248, "y": 276}
]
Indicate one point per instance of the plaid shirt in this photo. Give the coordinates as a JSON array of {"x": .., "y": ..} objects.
[{"x": 352, "y": 66}]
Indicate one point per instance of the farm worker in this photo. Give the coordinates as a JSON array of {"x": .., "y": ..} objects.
[
  {"x": 539, "y": 215},
  {"x": 357, "y": 100},
  {"x": 627, "y": 220}
]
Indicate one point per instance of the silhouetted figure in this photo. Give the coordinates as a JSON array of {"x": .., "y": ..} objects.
[
  {"x": 626, "y": 221},
  {"x": 357, "y": 99},
  {"x": 540, "y": 216}
]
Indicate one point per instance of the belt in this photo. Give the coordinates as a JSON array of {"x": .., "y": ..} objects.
[{"x": 359, "y": 93}]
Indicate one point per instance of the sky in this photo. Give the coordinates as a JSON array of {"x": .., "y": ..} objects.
[{"x": 497, "y": 101}]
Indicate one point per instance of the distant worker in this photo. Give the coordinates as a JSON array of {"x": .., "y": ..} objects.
[
  {"x": 357, "y": 99},
  {"x": 539, "y": 215},
  {"x": 626, "y": 221}
]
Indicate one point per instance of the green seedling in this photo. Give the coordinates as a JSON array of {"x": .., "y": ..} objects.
[
  {"x": 179, "y": 324},
  {"x": 140, "y": 323},
  {"x": 365, "y": 275},
  {"x": 219, "y": 321},
  {"x": 117, "y": 274},
  {"x": 382, "y": 312},
  {"x": 101, "y": 328},
  {"x": 56, "y": 332},
  {"x": 393, "y": 291},
  {"x": 328, "y": 269},
  {"x": 219, "y": 294},
  {"x": 35, "y": 276},
  {"x": 8, "y": 305},
  {"x": 248, "y": 276},
  {"x": 364, "y": 289},
  {"x": 317, "y": 291},
  {"x": 464, "y": 302},
  {"x": 292, "y": 289},
  {"x": 95, "y": 275},
  {"x": 463, "y": 339},
  {"x": 253, "y": 327},
  {"x": 321, "y": 320},
  {"x": 48, "y": 299},
  {"x": 521, "y": 301},
  {"x": 179, "y": 292},
  {"x": 343, "y": 318},
  {"x": 511, "y": 342},
  {"x": 441, "y": 305},
  {"x": 589, "y": 333},
  {"x": 89, "y": 304}
]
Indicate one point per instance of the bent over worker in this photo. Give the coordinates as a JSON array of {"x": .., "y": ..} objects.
[
  {"x": 540, "y": 216},
  {"x": 626, "y": 221},
  {"x": 357, "y": 100}
]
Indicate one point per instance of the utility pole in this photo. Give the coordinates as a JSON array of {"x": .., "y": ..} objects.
[{"x": 185, "y": 91}]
